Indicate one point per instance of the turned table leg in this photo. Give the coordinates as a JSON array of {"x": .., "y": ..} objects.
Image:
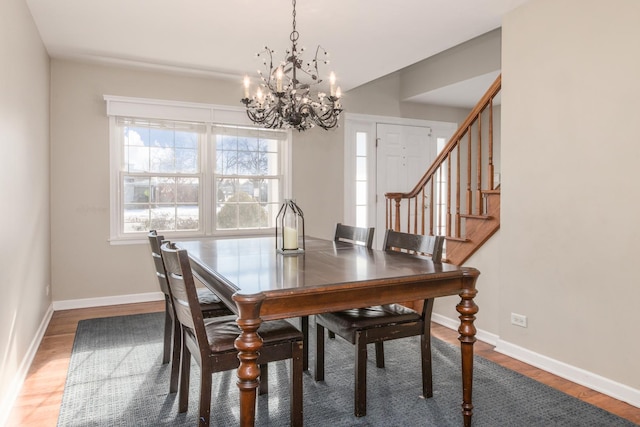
[
  {"x": 248, "y": 345},
  {"x": 467, "y": 309}
]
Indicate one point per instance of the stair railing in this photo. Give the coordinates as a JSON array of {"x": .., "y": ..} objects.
[{"x": 453, "y": 186}]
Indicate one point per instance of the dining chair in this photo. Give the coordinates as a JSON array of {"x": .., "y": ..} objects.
[
  {"x": 362, "y": 326},
  {"x": 211, "y": 341},
  {"x": 356, "y": 235},
  {"x": 210, "y": 306},
  {"x": 346, "y": 234}
]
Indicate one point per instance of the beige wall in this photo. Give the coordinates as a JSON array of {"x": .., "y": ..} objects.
[
  {"x": 24, "y": 191},
  {"x": 570, "y": 206},
  {"x": 473, "y": 58},
  {"x": 563, "y": 256},
  {"x": 85, "y": 264}
]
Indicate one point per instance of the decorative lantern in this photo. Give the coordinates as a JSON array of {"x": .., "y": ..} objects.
[{"x": 289, "y": 228}]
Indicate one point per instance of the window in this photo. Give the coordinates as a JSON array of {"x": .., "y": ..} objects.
[
  {"x": 362, "y": 190},
  {"x": 194, "y": 178},
  {"x": 247, "y": 178},
  {"x": 160, "y": 175}
]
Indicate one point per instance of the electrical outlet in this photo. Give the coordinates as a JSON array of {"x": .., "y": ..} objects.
[
  {"x": 519, "y": 320},
  {"x": 48, "y": 289}
]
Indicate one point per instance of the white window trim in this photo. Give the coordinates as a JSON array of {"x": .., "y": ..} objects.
[{"x": 208, "y": 114}]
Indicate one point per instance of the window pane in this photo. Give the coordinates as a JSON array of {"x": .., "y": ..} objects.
[
  {"x": 163, "y": 190},
  {"x": 188, "y": 190},
  {"x": 361, "y": 168},
  {"x": 265, "y": 190},
  {"x": 136, "y": 159},
  {"x": 136, "y": 190},
  {"x": 135, "y": 218},
  {"x": 227, "y": 163},
  {"x": 361, "y": 144},
  {"x": 163, "y": 217},
  {"x": 188, "y": 217},
  {"x": 226, "y": 142},
  {"x": 252, "y": 163},
  {"x": 186, "y": 140},
  {"x": 242, "y": 208},
  {"x": 227, "y": 216},
  {"x": 186, "y": 160},
  {"x": 361, "y": 193},
  {"x": 161, "y": 138},
  {"x": 161, "y": 160},
  {"x": 361, "y": 216}
]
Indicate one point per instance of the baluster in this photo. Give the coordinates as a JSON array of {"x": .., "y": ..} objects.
[
  {"x": 408, "y": 215},
  {"x": 431, "y": 218},
  {"x": 387, "y": 213},
  {"x": 448, "y": 196},
  {"x": 491, "y": 171},
  {"x": 479, "y": 166},
  {"x": 469, "y": 194},
  {"x": 415, "y": 217},
  {"x": 458, "y": 189}
]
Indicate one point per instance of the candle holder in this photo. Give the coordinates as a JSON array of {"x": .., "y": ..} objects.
[{"x": 289, "y": 228}]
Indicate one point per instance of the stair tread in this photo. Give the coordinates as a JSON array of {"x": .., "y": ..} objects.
[
  {"x": 476, "y": 216},
  {"x": 457, "y": 239}
]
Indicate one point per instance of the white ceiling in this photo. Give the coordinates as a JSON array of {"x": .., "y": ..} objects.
[{"x": 366, "y": 39}]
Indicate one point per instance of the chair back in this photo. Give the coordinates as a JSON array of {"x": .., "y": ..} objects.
[
  {"x": 414, "y": 243},
  {"x": 183, "y": 290},
  {"x": 156, "y": 241},
  {"x": 356, "y": 235}
]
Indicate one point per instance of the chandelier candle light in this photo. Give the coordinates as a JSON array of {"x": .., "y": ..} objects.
[{"x": 282, "y": 101}]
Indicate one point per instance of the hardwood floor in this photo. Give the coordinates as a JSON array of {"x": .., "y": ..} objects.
[{"x": 38, "y": 404}]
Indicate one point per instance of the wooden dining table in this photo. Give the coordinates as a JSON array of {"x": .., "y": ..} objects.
[{"x": 259, "y": 283}]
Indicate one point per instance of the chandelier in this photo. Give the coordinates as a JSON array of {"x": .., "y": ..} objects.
[{"x": 282, "y": 100}]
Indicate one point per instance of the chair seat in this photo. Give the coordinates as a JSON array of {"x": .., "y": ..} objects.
[
  {"x": 346, "y": 322},
  {"x": 210, "y": 304},
  {"x": 223, "y": 331}
]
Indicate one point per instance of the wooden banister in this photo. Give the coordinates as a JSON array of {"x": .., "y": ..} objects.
[{"x": 439, "y": 191}]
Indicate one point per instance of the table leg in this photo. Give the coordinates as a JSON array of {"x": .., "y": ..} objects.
[
  {"x": 467, "y": 309},
  {"x": 248, "y": 345}
]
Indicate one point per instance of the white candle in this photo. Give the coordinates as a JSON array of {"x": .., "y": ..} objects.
[
  {"x": 290, "y": 238},
  {"x": 259, "y": 97},
  {"x": 279, "y": 79},
  {"x": 247, "y": 82},
  {"x": 332, "y": 81}
]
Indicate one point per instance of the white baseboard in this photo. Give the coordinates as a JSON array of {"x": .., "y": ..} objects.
[
  {"x": 577, "y": 375},
  {"x": 103, "y": 301},
  {"x": 21, "y": 374}
]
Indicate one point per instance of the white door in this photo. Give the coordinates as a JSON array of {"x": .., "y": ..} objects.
[{"x": 403, "y": 155}]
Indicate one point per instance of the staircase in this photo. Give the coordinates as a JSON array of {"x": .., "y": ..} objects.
[{"x": 457, "y": 197}]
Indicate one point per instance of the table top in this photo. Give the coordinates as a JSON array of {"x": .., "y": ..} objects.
[
  {"x": 260, "y": 284},
  {"x": 253, "y": 265}
]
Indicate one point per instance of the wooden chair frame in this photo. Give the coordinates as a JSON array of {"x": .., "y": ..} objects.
[
  {"x": 348, "y": 234},
  {"x": 172, "y": 342},
  {"x": 211, "y": 343},
  {"x": 383, "y": 323}
]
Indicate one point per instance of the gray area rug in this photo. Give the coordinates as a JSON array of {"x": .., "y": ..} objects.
[{"x": 116, "y": 378}]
